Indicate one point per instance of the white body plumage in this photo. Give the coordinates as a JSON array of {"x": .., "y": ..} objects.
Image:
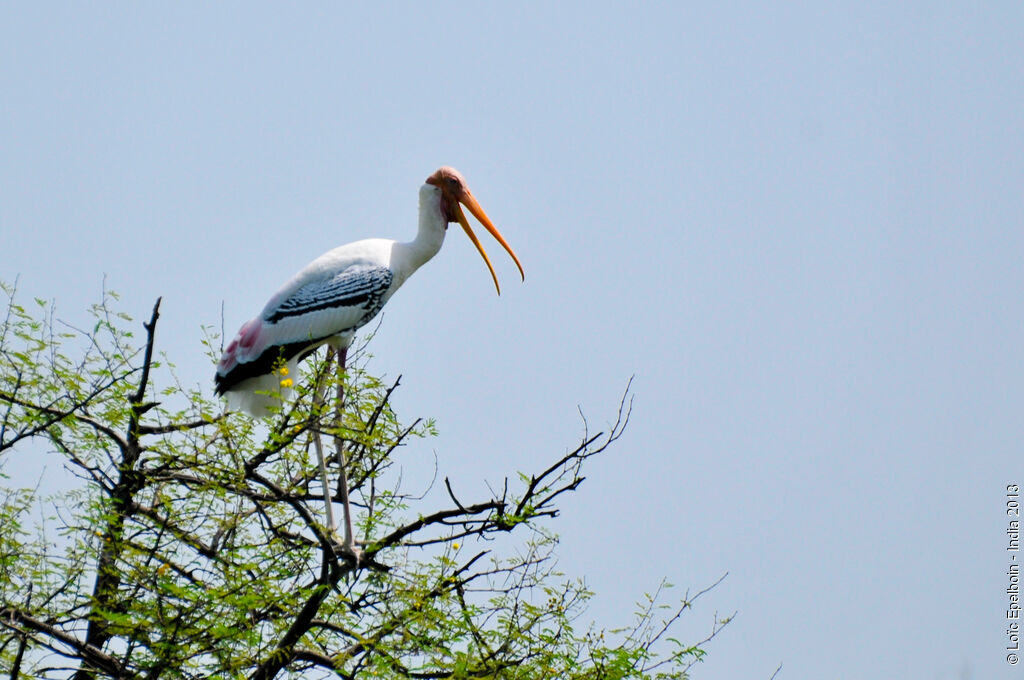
[
  {"x": 325, "y": 302},
  {"x": 337, "y": 293}
]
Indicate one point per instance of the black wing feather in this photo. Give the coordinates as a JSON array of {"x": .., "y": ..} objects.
[{"x": 357, "y": 286}]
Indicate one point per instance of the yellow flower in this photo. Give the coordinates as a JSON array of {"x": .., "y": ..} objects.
[
  {"x": 455, "y": 546},
  {"x": 284, "y": 370},
  {"x": 287, "y": 382}
]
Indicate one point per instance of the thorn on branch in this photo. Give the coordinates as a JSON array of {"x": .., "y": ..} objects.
[{"x": 451, "y": 494}]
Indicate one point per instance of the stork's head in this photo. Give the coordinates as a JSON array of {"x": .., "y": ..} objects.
[{"x": 454, "y": 192}]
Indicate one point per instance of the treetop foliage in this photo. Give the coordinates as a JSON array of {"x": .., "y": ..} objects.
[{"x": 193, "y": 542}]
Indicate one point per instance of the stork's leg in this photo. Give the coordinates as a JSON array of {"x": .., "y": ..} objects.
[
  {"x": 339, "y": 444},
  {"x": 324, "y": 480}
]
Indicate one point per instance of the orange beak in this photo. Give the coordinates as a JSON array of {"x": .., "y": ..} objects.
[{"x": 467, "y": 199}]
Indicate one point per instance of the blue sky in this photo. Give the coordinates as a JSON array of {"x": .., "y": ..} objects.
[{"x": 799, "y": 226}]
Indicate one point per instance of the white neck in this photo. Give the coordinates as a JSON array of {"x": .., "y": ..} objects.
[{"x": 428, "y": 239}]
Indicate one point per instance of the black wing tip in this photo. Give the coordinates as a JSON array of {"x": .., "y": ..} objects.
[
  {"x": 264, "y": 364},
  {"x": 219, "y": 386}
]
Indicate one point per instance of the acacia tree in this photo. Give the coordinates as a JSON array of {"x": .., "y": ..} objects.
[{"x": 193, "y": 545}]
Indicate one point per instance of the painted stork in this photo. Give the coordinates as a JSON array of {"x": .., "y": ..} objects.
[
  {"x": 337, "y": 293},
  {"x": 331, "y": 298}
]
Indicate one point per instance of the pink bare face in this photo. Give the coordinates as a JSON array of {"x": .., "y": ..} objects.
[{"x": 455, "y": 191}]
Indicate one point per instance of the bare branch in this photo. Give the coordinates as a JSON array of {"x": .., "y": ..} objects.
[
  {"x": 88, "y": 653},
  {"x": 138, "y": 407}
]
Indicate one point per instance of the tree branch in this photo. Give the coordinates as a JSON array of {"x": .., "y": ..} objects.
[{"x": 88, "y": 653}]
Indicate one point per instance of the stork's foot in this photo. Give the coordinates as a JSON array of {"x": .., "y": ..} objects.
[{"x": 349, "y": 552}]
